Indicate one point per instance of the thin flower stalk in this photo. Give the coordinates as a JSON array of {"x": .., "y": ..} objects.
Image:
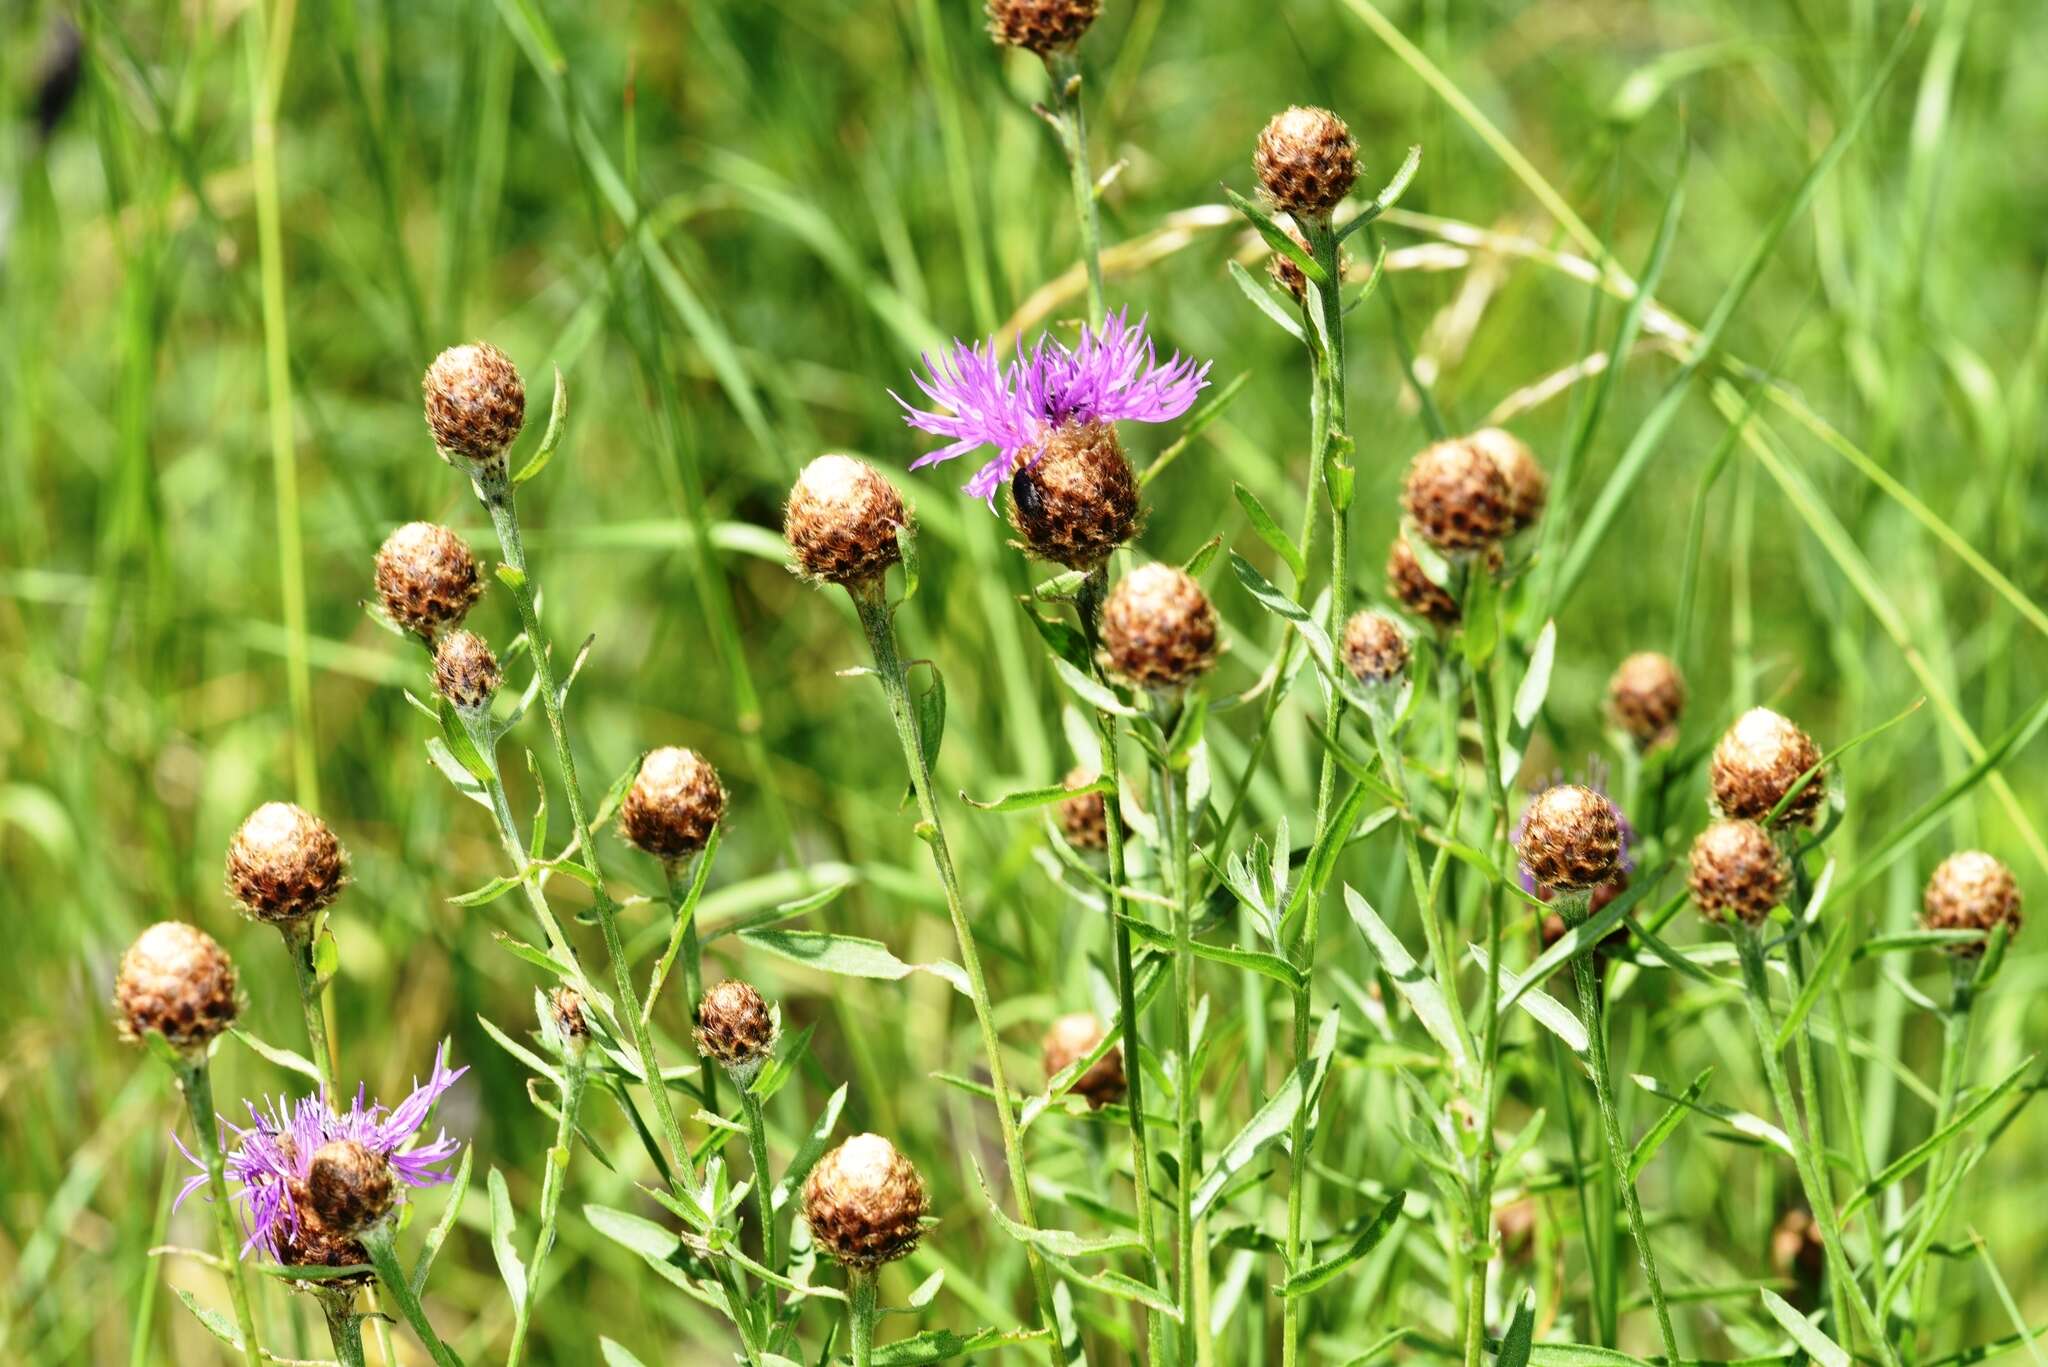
[
  {"x": 195, "y": 1080},
  {"x": 344, "y": 1325},
  {"x": 574, "y": 1074},
  {"x": 871, "y": 602},
  {"x": 1956, "y": 1021},
  {"x": 1485, "y": 1158},
  {"x": 300, "y": 942},
  {"x": 1174, "y": 818},
  {"x": 862, "y": 1286},
  {"x": 1072, "y": 121},
  {"x": 381, "y": 1245},
  {"x": 686, "y": 943}
]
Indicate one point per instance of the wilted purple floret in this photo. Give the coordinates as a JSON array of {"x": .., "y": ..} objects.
[
  {"x": 1110, "y": 375},
  {"x": 277, "y": 1148}
]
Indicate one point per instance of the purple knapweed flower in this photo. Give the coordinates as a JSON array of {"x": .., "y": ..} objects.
[
  {"x": 1110, "y": 375},
  {"x": 273, "y": 1156}
]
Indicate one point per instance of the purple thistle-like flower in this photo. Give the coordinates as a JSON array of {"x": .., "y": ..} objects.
[
  {"x": 274, "y": 1154},
  {"x": 1111, "y": 375}
]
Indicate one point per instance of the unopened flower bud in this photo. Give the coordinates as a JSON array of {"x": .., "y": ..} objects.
[
  {"x": 1528, "y": 485},
  {"x": 841, "y": 521},
  {"x": 1290, "y": 277},
  {"x": 1084, "y": 818},
  {"x": 1756, "y": 764},
  {"x": 176, "y": 981},
  {"x": 476, "y": 402},
  {"x": 734, "y": 1026},
  {"x": 1306, "y": 161},
  {"x": 1738, "y": 872},
  {"x": 1414, "y": 590},
  {"x": 1071, "y": 1039},
  {"x": 865, "y": 1203},
  {"x": 674, "y": 804},
  {"x": 465, "y": 671},
  {"x": 1569, "y": 839},
  {"x": 1158, "y": 628},
  {"x": 1646, "y": 697},
  {"x": 1375, "y": 648},
  {"x": 565, "y": 1012},
  {"x": 1076, "y": 501},
  {"x": 1970, "y": 890},
  {"x": 1041, "y": 26},
  {"x": 284, "y": 864},
  {"x": 349, "y": 1187},
  {"x": 426, "y": 578},
  {"x": 1457, "y": 498}
]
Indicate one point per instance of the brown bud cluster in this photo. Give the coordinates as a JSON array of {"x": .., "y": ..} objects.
[
  {"x": 284, "y": 864},
  {"x": 1414, "y": 590},
  {"x": 426, "y": 578},
  {"x": 1071, "y": 1039},
  {"x": 1289, "y": 276},
  {"x": 675, "y": 802},
  {"x": 1306, "y": 161},
  {"x": 1076, "y": 501},
  {"x": 1457, "y": 498},
  {"x": 1971, "y": 890},
  {"x": 1646, "y": 698},
  {"x": 1375, "y": 648},
  {"x": 1756, "y": 764},
  {"x": 1084, "y": 819},
  {"x": 1569, "y": 839},
  {"x": 841, "y": 521},
  {"x": 176, "y": 981},
  {"x": 734, "y": 1026},
  {"x": 465, "y": 671},
  {"x": 1041, "y": 26},
  {"x": 476, "y": 402},
  {"x": 1737, "y": 872},
  {"x": 865, "y": 1203},
  {"x": 349, "y": 1187},
  {"x": 1528, "y": 486},
  {"x": 1158, "y": 628}
]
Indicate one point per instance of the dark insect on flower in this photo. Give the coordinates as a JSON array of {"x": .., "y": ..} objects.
[
  {"x": 1077, "y": 500},
  {"x": 865, "y": 1203},
  {"x": 1110, "y": 375},
  {"x": 274, "y": 1161},
  {"x": 176, "y": 981},
  {"x": 1071, "y": 1039},
  {"x": 284, "y": 864}
]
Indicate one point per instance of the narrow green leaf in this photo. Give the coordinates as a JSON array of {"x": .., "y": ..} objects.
[
  {"x": 1417, "y": 988},
  {"x": 1912, "y": 1158},
  {"x": 847, "y": 955},
  {"x": 503, "y": 1226},
  {"x": 1269, "y": 532},
  {"x": 1367, "y": 1239},
  {"x": 1818, "y": 1346}
]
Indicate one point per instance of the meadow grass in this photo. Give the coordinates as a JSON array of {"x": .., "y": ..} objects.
[{"x": 733, "y": 229}]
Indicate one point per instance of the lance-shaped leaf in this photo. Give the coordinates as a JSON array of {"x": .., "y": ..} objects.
[
  {"x": 1417, "y": 988},
  {"x": 848, "y": 956}
]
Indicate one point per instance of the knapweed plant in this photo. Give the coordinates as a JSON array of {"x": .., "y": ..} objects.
[{"x": 1248, "y": 875}]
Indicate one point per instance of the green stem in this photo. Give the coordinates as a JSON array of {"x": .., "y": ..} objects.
[
  {"x": 861, "y": 1282},
  {"x": 1955, "y": 1050},
  {"x": 1489, "y": 1023},
  {"x": 1173, "y": 813},
  {"x": 300, "y": 938},
  {"x": 1089, "y": 607},
  {"x": 344, "y": 1325},
  {"x": 1593, "y": 1015},
  {"x": 757, "y": 1148},
  {"x": 682, "y": 903},
  {"x": 383, "y": 1250},
  {"x": 871, "y": 603},
  {"x": 197, "y": 1083},
  {"x": 550, "y": 1195},
  {"x": 494, "y": 489},
  {"x": 1065, "y": 70},
  {"x": 1820, "y": 1196}
]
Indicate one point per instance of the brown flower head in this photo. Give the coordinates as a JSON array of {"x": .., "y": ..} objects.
[
  {"x": 476, "y": 402},
  {"x": 1076, "y": 501},
  {"x": 1306, "y": 161},
  {"x": 865, "y": 1203},
  {"x": 673, "y": 805},
  {"x": 465, "y": 671},
  {"x": 1071, "y": 1039},
  {"x": 176, "y": 981},
  {"x": 1569, "y": 839},
  {"x": 1528, "y": 485},
  {"x": 1158, "y": 628},
  {"x": 734, "y": 1026},
  {"x": 284, "y": 864},
  {"x": 349, "y": 1187},
  {"x": 565, "y": 1011},
  {"x": 1375, "y": 648},
  {"x": 426, "y": 578},
  {"x": 1289, "y": 276},
  {"x": 1041, "y": 26},
  {"x": 1457, "y": 498},
  {"x": 1970, "y": 890},
  {"x": 1646, "y": 697},
  {"x": 1414, "y": 590},
  {"x": 1738, "y": 872},
  {"x": 841, "y": 521},
  {"x": 1756, "y": 764},
  {"x": 1084, "y": 819}
]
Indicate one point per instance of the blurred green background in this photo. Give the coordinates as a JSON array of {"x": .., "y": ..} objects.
[{"x": 732, "y": 226}]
